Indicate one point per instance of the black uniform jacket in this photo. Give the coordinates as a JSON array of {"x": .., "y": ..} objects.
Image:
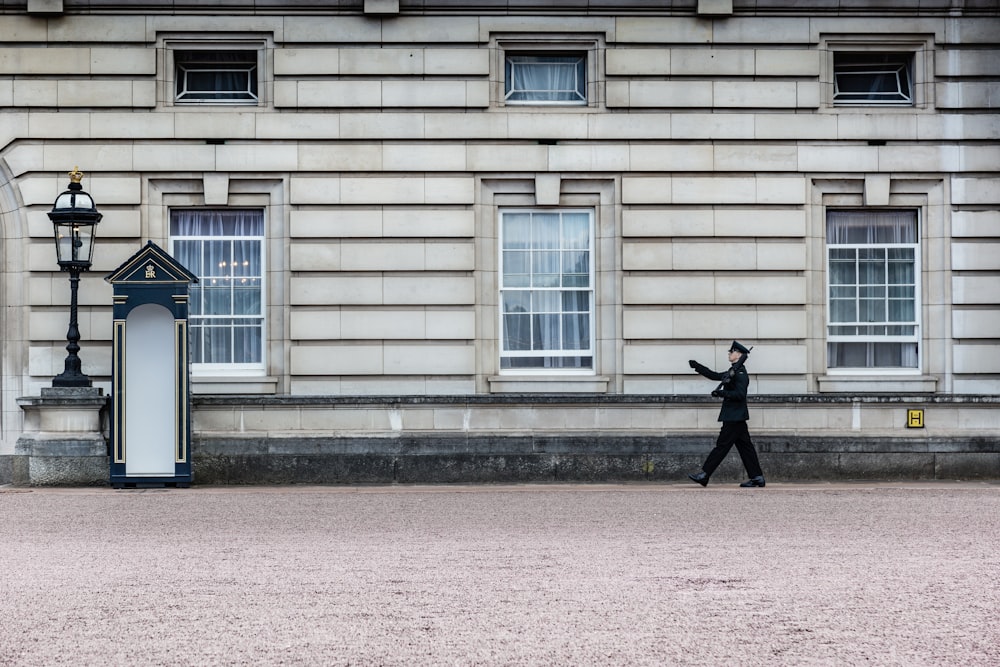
[{"x": 734, "y": 393}]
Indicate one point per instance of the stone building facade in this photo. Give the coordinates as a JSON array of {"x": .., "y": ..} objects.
[{"x": 481, "y": 240}]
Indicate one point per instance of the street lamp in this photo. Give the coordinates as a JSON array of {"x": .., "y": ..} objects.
[{"x": 74, "y": 220}]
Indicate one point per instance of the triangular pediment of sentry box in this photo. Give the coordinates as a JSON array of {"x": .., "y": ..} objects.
[{"x": 151, "y": 266}]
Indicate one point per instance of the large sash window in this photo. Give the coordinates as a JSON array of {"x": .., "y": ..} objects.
[
  {"x": 547, "y": 290},
  {"x": 873, "y": 289},
  {"x": 224, "y": 248}
]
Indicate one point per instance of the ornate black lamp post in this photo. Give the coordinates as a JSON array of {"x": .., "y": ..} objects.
[{"x": 74, "y": 219}]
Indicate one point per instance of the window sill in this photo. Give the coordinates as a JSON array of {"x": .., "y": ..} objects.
[
  {"x": 548, "y": 384},
  {"x": 877, "y": 384},
  {"x": 253, "y": 384}
]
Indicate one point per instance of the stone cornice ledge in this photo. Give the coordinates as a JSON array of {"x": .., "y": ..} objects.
[{"x": 220, "y": 400}]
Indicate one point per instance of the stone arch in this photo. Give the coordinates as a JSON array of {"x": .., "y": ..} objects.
[{"x": 13, "y": 307}]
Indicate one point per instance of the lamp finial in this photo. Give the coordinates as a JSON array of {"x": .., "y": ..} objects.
[{"x": 76, "y": 175}]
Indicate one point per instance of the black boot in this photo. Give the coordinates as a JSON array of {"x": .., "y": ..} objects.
[
  {"x": 701, "y": 477},
  {"x": 753, "y": 482}
]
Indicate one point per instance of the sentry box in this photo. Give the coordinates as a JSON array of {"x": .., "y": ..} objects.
[{"x": 150, "y": 378}]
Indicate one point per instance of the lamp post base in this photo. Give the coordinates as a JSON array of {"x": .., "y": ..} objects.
[
  {"x": 63, "y": 442},
  {"x": 67, "y": 379}
]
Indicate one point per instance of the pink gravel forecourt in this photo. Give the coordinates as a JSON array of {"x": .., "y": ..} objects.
[{"x": 547, "y": 574}]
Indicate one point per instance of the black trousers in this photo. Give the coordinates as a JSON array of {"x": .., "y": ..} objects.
[{"x": 734, "y": 433}]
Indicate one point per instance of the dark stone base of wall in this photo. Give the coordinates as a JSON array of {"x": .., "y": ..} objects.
[
  {"x": 436, "y": 460},
  {"x": 574, "y": 459}
]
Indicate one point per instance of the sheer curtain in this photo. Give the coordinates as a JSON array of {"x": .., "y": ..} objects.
[
  {"x": 871, "y": 227},
  {"x": 224, "y": 249}
]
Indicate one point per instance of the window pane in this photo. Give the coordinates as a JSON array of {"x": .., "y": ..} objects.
[
  {"x": 902, "y": 310},
  {"x": 576, "y": 331},
  {"x": 576, "y": 268},
  {"x": 216, "y": 257},
  {"x": 517, "y": 231},
  {"x": 517, "y": 332},
  {"x": 188, "y": 253},
  {"x": 218, "y": 299},
  {"x": 844, "y": 272},
  {"x": 545, "y": 231},
  {"x": 576, "y": 302},
  {"x": 516, "y": 302},
  {"x": 246, "y": 258},
  {"x": 546, "y": 332},
  {"x": 218, "y": 343},
  {"x": 843, "y": 310},
  {"x": 247, "y": 343},
  {"x": 576, "y": 231},
  {"x": 545, "y": 269},
  {"x": 867, "y": 227},
  {"x": 246, "y": 300},
  {"x": 516, "y": 269},
  {"x": 545, "y": 302},
  {"x": 872, "y": 355},
  {"x": 872, "y": 310},
  {"x": 901, "y": 272}
]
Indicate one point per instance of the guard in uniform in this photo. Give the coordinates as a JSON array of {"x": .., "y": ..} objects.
[{"x": 733, "y": 415}]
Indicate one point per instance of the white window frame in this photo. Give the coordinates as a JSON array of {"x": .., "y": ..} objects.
[
  {"x": 587, "y": 46},
  {"x": 897, "y": 67},
  {"x": 914, "y": 338},
  {"x": 188, "y": 63},
  {"x": 173, "y": 45},
  {"x": 918, "y": 49},
  {"x": 232, "y": 369},
  {"x": 591, "y": 351}
]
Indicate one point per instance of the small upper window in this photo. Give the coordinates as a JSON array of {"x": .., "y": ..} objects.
[
  {"x": 215, "y": 77},
  {"x": 545, "y": 79},
  {"x": 873, "y": 79}
]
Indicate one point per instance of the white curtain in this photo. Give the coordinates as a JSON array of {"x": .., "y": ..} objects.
[
  {"x": 872, "y": 355},
  {"x": 871, "y": 227},
  {"x": 224, "y": 249}
]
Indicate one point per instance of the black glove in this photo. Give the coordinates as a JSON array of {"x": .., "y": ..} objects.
[
  {"x": 692, "y": 363},
  {"x": 716, "y": 393}
]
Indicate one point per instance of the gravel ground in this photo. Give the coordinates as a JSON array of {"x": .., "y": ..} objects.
[{"x": 819, "y": 574}]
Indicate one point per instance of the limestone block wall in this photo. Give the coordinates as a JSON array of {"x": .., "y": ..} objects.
[{"x": 381, "y": 152}]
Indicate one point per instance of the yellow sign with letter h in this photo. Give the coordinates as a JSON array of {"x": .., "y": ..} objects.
[{"x": 915, "y": 418}]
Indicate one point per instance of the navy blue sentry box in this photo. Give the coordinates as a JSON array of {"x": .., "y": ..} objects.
[{"x": 150, "y": 372}]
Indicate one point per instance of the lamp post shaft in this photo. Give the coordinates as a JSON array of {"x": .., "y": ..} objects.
[{"x": 72, "y": 376}]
